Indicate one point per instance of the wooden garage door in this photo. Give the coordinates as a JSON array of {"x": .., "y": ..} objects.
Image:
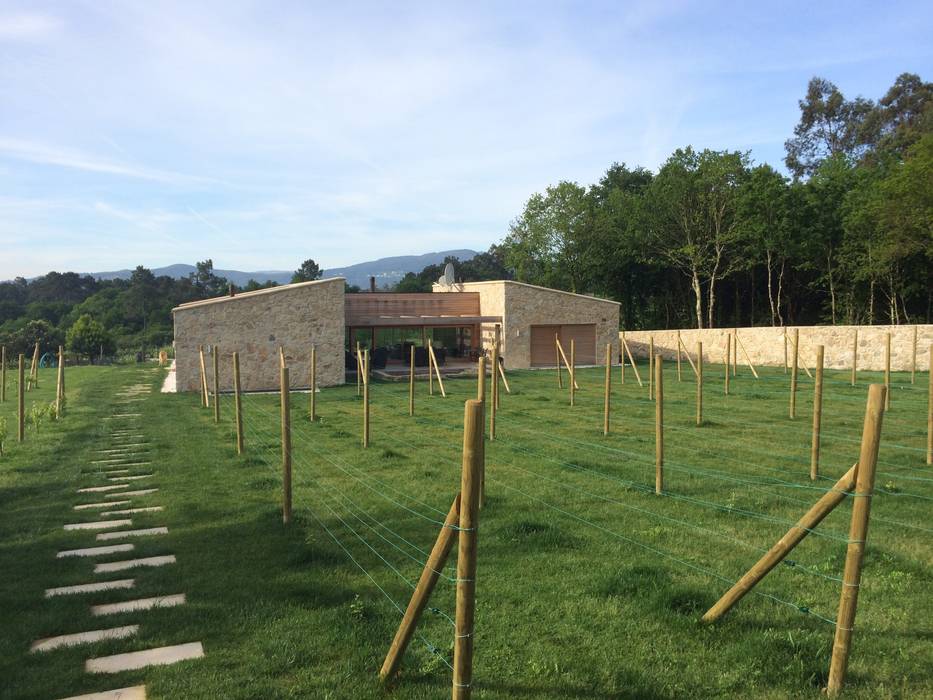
[{"x": 543, "y": 353}]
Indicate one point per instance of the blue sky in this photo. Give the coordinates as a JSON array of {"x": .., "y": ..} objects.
[{"x": 264, "y": 133}]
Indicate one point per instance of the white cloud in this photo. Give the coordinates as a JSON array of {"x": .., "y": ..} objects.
[{"x": 28, "y": 26}]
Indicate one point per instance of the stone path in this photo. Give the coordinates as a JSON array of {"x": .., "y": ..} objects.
[{"x": 127, "y": 450}]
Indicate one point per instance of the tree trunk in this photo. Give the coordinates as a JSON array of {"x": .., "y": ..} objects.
[
  {"x": 711, "y": 300},
  {"x": 871, "y": 302},
  {"x": 832, "y": 287},
  {"x": 771, "y": 292},
  {"x": 698, "y": 295},
  {"x": 779, "y": 291}
]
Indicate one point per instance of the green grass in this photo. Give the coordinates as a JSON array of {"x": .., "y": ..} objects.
[{"x": 589, "y": 585}]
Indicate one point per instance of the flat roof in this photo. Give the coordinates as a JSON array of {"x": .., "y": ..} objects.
[
  {"x": 256, "y": 293},
  {"x": 463, "y": 286},
  {"x": 406, "y": 320}
]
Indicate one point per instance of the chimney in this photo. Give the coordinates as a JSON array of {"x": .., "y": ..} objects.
[
  {"x": 232, "y": 290},
  {"x": 372, "y": 283}
]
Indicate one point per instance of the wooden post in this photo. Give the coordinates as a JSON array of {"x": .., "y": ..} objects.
[
  {"x": 429, "y": 348},
  {"x": 726, "y": 366},
  {"x": 359, "y": 368},
  {"x": 433, "y": 361},
  {"x": 560, "y": 374},
  {"x": 735, "y": 349},
  {"x": 930, "y": 409},
  {"x": 494, "y": 388},
  {"x": 573, "y": 371},
  {"x": 205, "y": 402},
  {"x": 237, "y": 403},
  {"x": 608, "y": 388},
  {"x": 60, "y": 384},
  {"x": 419, "y": 599},
  {"x": 887, "y": 371},
  {"x": 913, "y": 360},
  {"x": 284, "y": 390},
  {"x": 632, "y": 361},
  {"x": 3, "y": 374},
  {"x": 783, "y": 546},
  {"x": 659, "y": 425},
  {"x": 34, "y": 369},
  {"x": 679, "y": 378},
  {"x": 699, "y": 383},
  {"x": 411, "y": 381},
  {"x": 689, "y": 359},
  {"x": 215, "y": 361},
  {"x": 622, "y": 357},
  {"x": 481, "y": 379},
  {"x": 20, "y": 401},
  {"x": 365, "y": 362},
  {"x": 466, "y": 554},
  {"x": 785, "y": 352},
  {"x": 312, "y": 385},
  {"x": 793, "y": 376},
  {"x": 282, "y": 362},
  {"x": 505, "y": 381},
  {"x": 817, "y": 415},
  {"x": 650, "y": 367},
  {"x": 854, "y": 355},
  {"x": 495, "y": 368},
  {"x": 745, "y": 352},
  {"x": 858, "y": 534}
]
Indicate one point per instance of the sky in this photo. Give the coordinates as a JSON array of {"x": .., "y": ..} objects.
[{"x": 260, "y": 134}]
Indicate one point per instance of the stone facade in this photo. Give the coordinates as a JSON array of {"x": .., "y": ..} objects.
[
  {"x": 255, "y": 324},
  {"x": 765, "y": 346},
  {"x": 524, "y": 305}
]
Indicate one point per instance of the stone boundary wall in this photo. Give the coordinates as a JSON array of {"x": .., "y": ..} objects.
[
  {"x": 765, "y": 345},
  {"x": 255, "y": 324}
]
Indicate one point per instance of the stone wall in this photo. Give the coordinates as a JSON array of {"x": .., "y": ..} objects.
[
  {"x": 255, "y": 324},
  {"x": 765, "y": 346},
  {"x": 524, "y": 305}
]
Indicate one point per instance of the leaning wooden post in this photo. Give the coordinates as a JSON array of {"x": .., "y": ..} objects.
[
  {"x": 858, "y": 534},
  {"x": 419, "y": 599},
  {"x": 659, "y": 425},
  {"x": 359, "y": 368},
  {"x": 34, "y": 370},
  {"x": 650, "y": 367},
  {"x": 205, "y": 402},
  {"x": 430, "y": 370},
  {"x": 365, "y": 362},
  {"x": 494, "y": 389},
  {"x": 573, "y": 371},
  {"x": 699, "y": 383},
  {"x": 411, "y": 381},
  {"x": 608, "y": 388},
  {"x": 793, "y": 376},
  {"x": 726, "y": 382},
  {"x": 284, "y": 388},
  {"x": 930, "y": 410},
  {"x": 312, "y": 385},
  {"x": 887, "y": 371},
  {"x": 854, "y": 355},
  {"x": 3, "y": 374},
  {"x": 467, "y": 545},
  {"x": 215, "y": 361},
  {"x": 679, "y": 378},
  {"x": 817, "y": 415},
  {"x": 495, "y": 367},
  {"x": 913, "y": 360},
  {"x": 20, "y": 401},
  {"x": 60, "y": 384},
  {"x": 237, "y": 403},
  {"x": 560, "y": 374},
  {"x": 794, "y": 536}
]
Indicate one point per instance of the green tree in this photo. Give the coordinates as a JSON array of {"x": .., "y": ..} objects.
[
  {"x": 87, "y": 337},
  {"x": 308, "y": 272}
]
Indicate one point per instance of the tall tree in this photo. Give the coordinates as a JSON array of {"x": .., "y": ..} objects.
[{"x": 308, "y": 272}]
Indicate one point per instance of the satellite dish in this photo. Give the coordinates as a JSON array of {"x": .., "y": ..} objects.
[{"x": 448, "y": 279}]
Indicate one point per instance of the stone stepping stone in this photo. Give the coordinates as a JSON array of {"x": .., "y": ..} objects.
[
  {"x": 136, "y": 692},
  {"x": 90, "y": 587},
  {"x": 120, "y": 534},
  {"x": 141, "y": 492},
  {"x": 130, "y": 511},
  {"x": 105, "y": 504},
  {"x": 161, "y": 656},
  {"x": 98, "y": 525},
  {"x": 95, "y": 551},
  {"x": 162, "y": 601},
  {"x": 111, "y": 487},
  {"x": 136, "y": 477},
  {"x": 70, "y": 640},
  {"x": 111, "y": 566}
]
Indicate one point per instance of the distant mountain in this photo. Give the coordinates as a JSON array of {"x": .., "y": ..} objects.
[{"x": 387, "y": 271}]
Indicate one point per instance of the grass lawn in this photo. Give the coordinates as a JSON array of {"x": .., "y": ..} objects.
[{"x": 589, "y": 585}]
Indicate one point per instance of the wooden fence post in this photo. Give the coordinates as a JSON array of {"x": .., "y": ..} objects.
[
  {"x": 659, "y": 425},
  {"x": 312, "y": 385},
  {"x": 699, "y": 383},
  {"x": 432, "y": 361},
  {"x": 481, "y": 396},
  {"x": 284, "y": 388},
  {"x": 726, "y": 365},
  {"x": 495, "y": 367},
  {"x": 887, "y": 371},
  {"x": 735, "y": 350},
  {"x": 3, "y": 374},
  {"x": 793, "y": 376},
  {"x": 494, "y": 389},
  {"x": 60, "y": 384},
  {"x": 854, "y": 354},
  {"x": 205, "y": 402},
  {"x": 467, "y": 546},
  {"x": 858, "y": 533},
  {"x": 748, "y": 359},
  {"x": 21, "y": 403},
  {"x": 430, "y": 370},
  {"x": 237, "y": 403},
  {"x": 785, "y": 351},
  {"x": 34, "y": 370},
  {"x": 913, "y": 360},
  {"x": 365, "y": 363},
  {"x": 650, "y": 367},
  {"x": 573, "y": 371},
  {"x": 608, "y": 388},
  {"x": 817, "y": 415},
  {"x": 560, "y": 374},
  {"x": 679, "y": 378},
  {"x": 359, "y": 368},
  {"x": 215, "y": 361},
  {"x": 930, "y": 410},
  {"x": 631, "y": 360},
  {"x": 622, "y": 357},
  {"x": 481, "y": 379},
  {"x": 411, "y": 381},
  {"x": 419, "y": 599}
]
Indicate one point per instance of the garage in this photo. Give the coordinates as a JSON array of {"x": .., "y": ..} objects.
[{"x": 543, "y": 352}]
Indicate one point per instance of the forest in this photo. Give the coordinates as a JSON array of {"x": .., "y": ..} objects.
[{"x": 711, "y": 239}]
